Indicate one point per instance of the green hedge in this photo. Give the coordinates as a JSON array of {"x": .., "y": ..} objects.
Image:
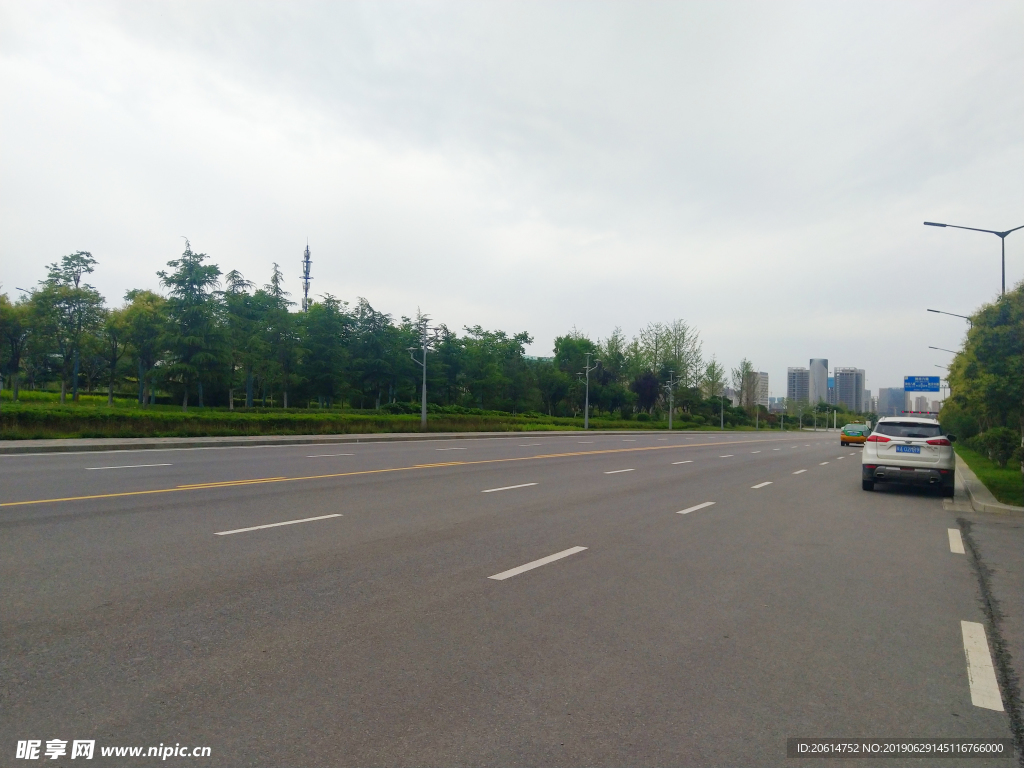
[
  {"x": 27, "y": 421},
  {"x": 1005, "y": 483}
]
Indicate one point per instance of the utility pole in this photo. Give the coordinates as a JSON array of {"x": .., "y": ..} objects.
[
  {"x": 586, "y": 407},
  {"x": 425, "y": 342},
  {"x": 306, "y": 264},
  {"x": 669, "y": 387}
]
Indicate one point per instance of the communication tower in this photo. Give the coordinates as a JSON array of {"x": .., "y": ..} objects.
[{"x": 306, "y": 263}]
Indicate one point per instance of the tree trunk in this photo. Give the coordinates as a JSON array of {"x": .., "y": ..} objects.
[
  {"x": 231, "y": 399},
  {"x": 285, "y": 395},
  {"x": 248, "y": 389},
  {"x": 110, "y": 393},
  {"x": 200, "y": 394},
  {"x": 14, "y": 385},
  {"x": 63, "y": 391},
  {"x": 142, "y": 385},
  {"x": 184, "y": 400}
]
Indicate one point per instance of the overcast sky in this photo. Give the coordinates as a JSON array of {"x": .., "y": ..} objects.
[{"x": 761, "y": 170}]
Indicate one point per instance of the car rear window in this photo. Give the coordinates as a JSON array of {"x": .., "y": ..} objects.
[{"x": 908, "y": 429}]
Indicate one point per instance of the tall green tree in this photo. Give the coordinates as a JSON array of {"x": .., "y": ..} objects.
[
  {"x": 192, "y": 313},
  {"x": 15, "y": 328},
  {"x": 66, "y": 311},
  {"x": 145, "y": 320}
]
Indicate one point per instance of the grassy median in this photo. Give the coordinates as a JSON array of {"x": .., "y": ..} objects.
[{"x": 1004, "y": 482}]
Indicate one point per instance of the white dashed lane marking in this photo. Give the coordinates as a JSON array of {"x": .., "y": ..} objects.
[
  {"x": 133, "y": 466},
  {"x": 450, "y": 449},
  {"x": 325, "y": 455},
  {"x": 688, "y": 461},
  {"x": 799, "y": 471},
  {"x": 762, "y": 485},
  {"x": 535, "y": 564},
  {"x": 980, "y": 673},
  {"x": 823, "y": 464},
  {"x": 688, "y": 510},
  {"x": 956, "y": 543},
  {"x": 508, "y": 487},
  {"x": 616, "y": 471},
  {"x": 274, "y": 525},
  {"x": 727, "y": 456}
]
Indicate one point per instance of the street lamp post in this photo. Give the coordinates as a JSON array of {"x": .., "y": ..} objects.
[
  {"x": 1000, "y": 235},
  {"x": 669, "y": 387},
  {"x": 586, "y": 406},
  {"x": 943, "y": 349},
  {"x": 953, "y": 314},
  {"x": 425, "y": 342}
]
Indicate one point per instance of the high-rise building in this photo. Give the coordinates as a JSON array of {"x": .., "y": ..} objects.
[
  {"x": 817, "y": 385},
  {"x": 891, "y": 401},
  {"x": 936, "y": 406},
  {"x": 798, "y": 385},
  {"x": 761, "y": 392},
  {"x": 921, "y": 403},
  {"x": 831, "y": 399},
  {"x": 849, "y": 388}
]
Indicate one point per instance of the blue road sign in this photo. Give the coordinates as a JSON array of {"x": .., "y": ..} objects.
[{"x": 921, "y": 383}]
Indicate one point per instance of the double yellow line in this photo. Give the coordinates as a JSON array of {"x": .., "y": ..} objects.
[{"x": 257, "y": 481}]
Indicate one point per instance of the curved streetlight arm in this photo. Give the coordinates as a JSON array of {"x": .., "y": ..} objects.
[
  {"x": 974, "y": 229},
  {"x": 944, "y": 350}
]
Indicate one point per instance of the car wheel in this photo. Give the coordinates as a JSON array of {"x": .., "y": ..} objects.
[
  {"x": 842, "y": 443},
  {"x": 867, "y": 485}
]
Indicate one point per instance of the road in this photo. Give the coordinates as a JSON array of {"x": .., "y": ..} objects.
[{"x": 152, "y": 598}]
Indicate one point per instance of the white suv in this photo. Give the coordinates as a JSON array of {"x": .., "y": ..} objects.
[{"x": 908, "y": 449}]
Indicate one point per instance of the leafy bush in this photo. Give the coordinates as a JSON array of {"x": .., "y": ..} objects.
[
  {"x": 643, "y": 417},
  {"x": 957, "y": 421},
  {"x": 998, "y": 444},
  {"x": 696, "y": 418}
]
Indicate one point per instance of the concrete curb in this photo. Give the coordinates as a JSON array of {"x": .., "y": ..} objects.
[
  {"x": 165, "y": 443},
  {"x": 981, "y": 498}
]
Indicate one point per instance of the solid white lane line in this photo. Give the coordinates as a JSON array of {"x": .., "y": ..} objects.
[
  {"x": 762, "y": 485},
  {"x": 535, "y": 564},
  {"x": 688, "y": 510},
  {"x": 980, "y": 672},
  {"x": 451, "y": 449},
  {"x": 956, "y": 544},
  {"x": 508, "y": 487},
  {"x": 823, "y": 464},
  {"x": 324, "y": 455},
  {"x": 688, "y": 461},
  {"x": 274, "y": 525},
  {"x": 133, "y": 466},
  {"x": 616, "y": 471},
  {"x": 727, "y": 456},
  {"x": 799, "y": 471}
]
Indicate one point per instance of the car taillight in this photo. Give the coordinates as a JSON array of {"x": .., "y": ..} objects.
[
  {"x": 878, "y": 439},
  {"x": 939, "y": 441}
]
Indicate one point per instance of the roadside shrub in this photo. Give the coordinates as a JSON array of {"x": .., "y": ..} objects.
[
  {"x": 643, "y": 417},
  {"x": 958, "y": 421},
  {"x": 999, "y": 444},
  {"x": 626, "y": 413},
  {"x": 696, "y": 418}
]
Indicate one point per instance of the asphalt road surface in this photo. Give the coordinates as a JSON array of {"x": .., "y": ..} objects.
[{"x": 692, "y": 599}]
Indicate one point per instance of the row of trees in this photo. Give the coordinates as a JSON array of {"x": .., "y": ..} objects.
[
  {"x": 214, "y": 339},
  {"x": 986, "y": 380}
]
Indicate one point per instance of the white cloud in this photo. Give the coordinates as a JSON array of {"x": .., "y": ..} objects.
[{"x": 761, "y": 170}]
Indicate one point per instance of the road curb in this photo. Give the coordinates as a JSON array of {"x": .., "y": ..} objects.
[
  {"x": 87, "y": 445},
  {"x": 981, "y": 498}
]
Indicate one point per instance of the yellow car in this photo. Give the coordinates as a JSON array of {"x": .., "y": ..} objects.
[{"x": 854, "y": 434}]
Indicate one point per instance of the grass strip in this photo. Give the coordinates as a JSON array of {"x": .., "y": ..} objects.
[{"x": 1005, "y": 483}]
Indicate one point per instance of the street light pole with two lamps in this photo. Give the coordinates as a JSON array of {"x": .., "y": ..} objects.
[{"x": 1000, "y": 235}]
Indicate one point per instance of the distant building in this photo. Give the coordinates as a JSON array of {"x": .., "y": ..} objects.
[
  {"x": 831, "y": 399},
  {"x": 921, "y": 403},
  {"x": 817, "y": 384},
  {"x": 849, "y": 388},
  {"x": 798, "y": 385},
  {"x": 936, "y": 406},
  {"x": 731, "y": 396},
  {"x": 761, "y": 392},
  {"x": 891, "y": 401}
]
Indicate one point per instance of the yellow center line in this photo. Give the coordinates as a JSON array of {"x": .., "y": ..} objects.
[{"x": 234, "y": 483}]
